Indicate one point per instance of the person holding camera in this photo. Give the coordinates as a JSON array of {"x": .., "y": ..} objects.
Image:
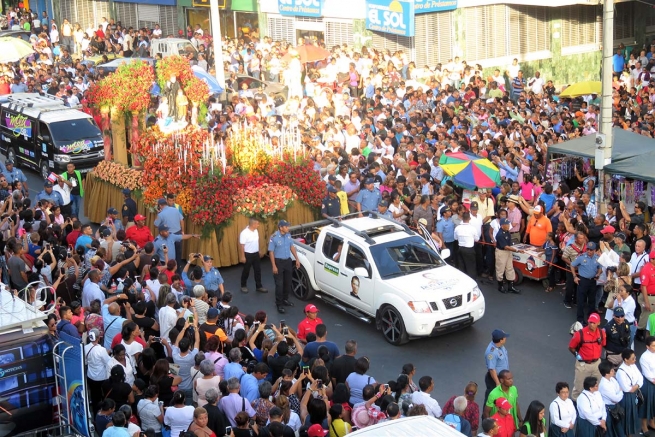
[{"x": 184, "y": 354}]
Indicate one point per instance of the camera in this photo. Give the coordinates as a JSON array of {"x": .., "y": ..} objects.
[
  {"x": 163, "y": 246},
  {"x": 197, "y": 255}
]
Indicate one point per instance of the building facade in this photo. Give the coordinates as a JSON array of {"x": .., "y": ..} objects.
[{"x": 561, "y": 40}]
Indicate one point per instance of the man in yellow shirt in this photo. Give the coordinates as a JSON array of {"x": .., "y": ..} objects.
[{"x": 343, "y": 197}]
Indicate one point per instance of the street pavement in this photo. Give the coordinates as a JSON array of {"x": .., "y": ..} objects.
[{"x": 538, "y": 324}]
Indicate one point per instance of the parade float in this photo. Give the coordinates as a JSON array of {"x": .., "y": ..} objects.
[{"x": 219, "y": 182}]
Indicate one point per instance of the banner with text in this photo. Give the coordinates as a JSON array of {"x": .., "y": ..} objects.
[
  {"x": 301, "y": 8},
  {"x": 390, "y": 16},
  {"x": 424, "y": 6}
]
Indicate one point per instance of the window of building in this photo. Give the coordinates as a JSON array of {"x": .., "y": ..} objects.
[
  {"x": 281, "y": 29},
  {"x": 434, "y": 38},
  {"x": 393, "y": 43},
  {"x": 580, "y": 30},
  {"x": 338, "y": 33},
  {"x": 486, "y": 33},
  {"x": 529, "y": 31}
]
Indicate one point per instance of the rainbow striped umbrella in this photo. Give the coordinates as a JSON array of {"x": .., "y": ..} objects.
[{"x": 469, "y": 170}]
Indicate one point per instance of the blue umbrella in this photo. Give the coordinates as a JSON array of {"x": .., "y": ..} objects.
[{"x": 214, "y": 86}]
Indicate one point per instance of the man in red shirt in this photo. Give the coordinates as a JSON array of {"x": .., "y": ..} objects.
[
  {"x": 309, "y": 323},
  {"x": 504, "y": 419},
  {"x": 139, "y": 233},
  {"x": 587, "y": 345},
  {"x": 71, "y": 238}
]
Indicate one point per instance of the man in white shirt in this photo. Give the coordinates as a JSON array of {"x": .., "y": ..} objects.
[
  {"x": 249, "y": 255},
  {"x": 168, "y": 316},
  {"x": 157, "y": 31},
  {"x": 426, "y": 384},
  {"x": 91, "y": 290},
  {"x": 65, "y": 191},
  {"x": 536, "y": 84},
  {"x": 467, "y": 235},
  {"x": 97, "y": 360}
]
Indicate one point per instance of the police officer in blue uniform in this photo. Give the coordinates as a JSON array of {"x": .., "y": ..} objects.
[
  {"x": 48, "y": 193},
  {"x": 331, "y": 206},
  {"x": 128, "y": 211},
  {"x": 280, "y": 249},
  {"x": 13, "y": 175},
  {"x": 369, "y": 198},
  {"x": 586, "y": 271},
  {"x": 171, "y": 218},
  {"x": 383, "y": 209},
  {"x": 212, "y": 277},
  {"x": 496, "y": 359}
]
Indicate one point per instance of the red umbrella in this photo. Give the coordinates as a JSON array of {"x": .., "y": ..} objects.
[{"x": 308, "y": 53}]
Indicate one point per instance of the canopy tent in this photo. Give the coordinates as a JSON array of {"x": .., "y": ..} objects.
[
  {"x": 626, "y": 145},
  {"x": 638, "y": 167}
]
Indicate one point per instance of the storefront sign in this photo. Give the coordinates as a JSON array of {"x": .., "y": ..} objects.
[
  {"x": 222, "y": 4},
  {"x": 301, "y": 8},
  {"x": 151, "y": 2},
  {"x": 423, "y": 6},
  {"x": 390, "y": 16}
]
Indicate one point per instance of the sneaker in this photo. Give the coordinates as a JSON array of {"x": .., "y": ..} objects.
[
  {"x": 244, "y": 289},
  {"x": 262, "y": 290},
  {"x": 567, "y": 305},
  {"x": 288, "y": 303},
  {"x": 281, "y": 310}
]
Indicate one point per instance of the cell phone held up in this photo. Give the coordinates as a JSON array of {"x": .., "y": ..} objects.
[{"x": 305, "y": 370}]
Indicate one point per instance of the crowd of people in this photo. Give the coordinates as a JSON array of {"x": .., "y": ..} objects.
[{"x": 168, "y": 354}]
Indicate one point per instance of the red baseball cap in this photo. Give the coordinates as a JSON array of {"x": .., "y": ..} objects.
[
  {"x": 594, "y": 318},
  {"x": 139, "y": 217},
  {"x": 316, "y": 430},
  {"x": 503, "y": 403},
  {"x": 608, "y": 230},
  {"x": 311, "y": 308}
]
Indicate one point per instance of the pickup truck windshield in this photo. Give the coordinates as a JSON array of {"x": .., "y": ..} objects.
[{"x": 402, "y": 257}]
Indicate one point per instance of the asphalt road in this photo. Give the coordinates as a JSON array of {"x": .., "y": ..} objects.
[{"x": 538, "y": 324}]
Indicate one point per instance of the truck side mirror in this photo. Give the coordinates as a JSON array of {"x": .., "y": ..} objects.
[
  {"x": 46, "y": 138},
  {"x": 361, "y": 272},
  {"x": 445, "y": 253}
]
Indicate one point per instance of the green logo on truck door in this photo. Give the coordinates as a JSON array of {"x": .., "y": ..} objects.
[{"x": 332, "y": 269}]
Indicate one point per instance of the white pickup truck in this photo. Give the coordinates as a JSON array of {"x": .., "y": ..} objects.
[{"x": 378, "y": 270}]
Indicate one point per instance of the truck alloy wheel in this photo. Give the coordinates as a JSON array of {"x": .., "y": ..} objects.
[
  {"x": 300, "y": 285},
  {"x": 393, "y": 327}
]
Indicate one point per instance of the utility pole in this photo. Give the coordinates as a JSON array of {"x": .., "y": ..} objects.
[
  {"x": 218, "y": 44},
  {"x": 605, "y": 139}
]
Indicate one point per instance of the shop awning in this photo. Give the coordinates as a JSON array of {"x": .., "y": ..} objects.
[
  {"x": 637, "y": 167},
  {"x": 626, "y": 145}
]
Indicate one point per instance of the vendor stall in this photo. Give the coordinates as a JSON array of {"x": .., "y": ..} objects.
[
  {"x": 626, "y": 145},
  {"x": 530, "y": 263}
]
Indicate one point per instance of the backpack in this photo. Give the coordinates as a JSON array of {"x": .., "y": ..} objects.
[{"x": 453, "y": 421}]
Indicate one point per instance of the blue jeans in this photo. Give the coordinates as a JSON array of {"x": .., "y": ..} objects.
[{"x": 76, "y": 201}]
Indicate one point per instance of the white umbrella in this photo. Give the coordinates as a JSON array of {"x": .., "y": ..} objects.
[{"x": 13, "y": 49}]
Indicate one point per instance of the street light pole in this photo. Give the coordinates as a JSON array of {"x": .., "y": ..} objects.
[
  {"x": 606, "y": 93},
  {"x": 218, "y": 44}
]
